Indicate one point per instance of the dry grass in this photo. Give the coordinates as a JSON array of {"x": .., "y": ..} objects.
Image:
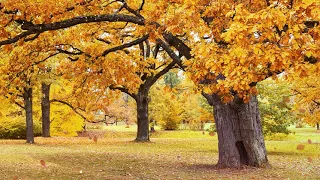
[{"x": 164, "y": 158}]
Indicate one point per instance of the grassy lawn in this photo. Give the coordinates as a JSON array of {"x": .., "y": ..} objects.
[{"x": 170, "y": 155}]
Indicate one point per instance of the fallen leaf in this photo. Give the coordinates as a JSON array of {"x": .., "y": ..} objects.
[
  {"x": 309, "y": 159},
  {"x": 95, "y": 139},
  {"x": 309, "y": 141},
  {"x": 43, "y": 163},
  {"x": 300, "y": 147}
]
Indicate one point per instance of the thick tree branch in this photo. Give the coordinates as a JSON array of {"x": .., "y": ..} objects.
[
  {"x": 148, "y": 49},
  {"x": 175, "y": 60},
  {"x": 156, "y": 50},
  {"x": 123, "y": 89},
  {"x": 126, "y": 45},
  {"x": 40, "y": 28},
  {"x": 208, "y": 98},
  {"x": 171, "y": 53},
  {"x": 178, "y": 44},
  {"x": 16, "y": 38}
]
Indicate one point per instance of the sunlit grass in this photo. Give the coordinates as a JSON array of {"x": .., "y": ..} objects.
[{"x": 170, "y": 155}]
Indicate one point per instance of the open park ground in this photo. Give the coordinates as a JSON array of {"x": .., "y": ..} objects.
[{"x": 169, "y": 155}]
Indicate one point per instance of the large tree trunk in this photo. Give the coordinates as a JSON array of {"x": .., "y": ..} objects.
[
  {"x": 27, "y": 97},
  {"x": 239, "y": 131},
  {"x": 318, "y": 127},
  {"x": 45, "y": 108},
  {"x": 142, "y": 113}
]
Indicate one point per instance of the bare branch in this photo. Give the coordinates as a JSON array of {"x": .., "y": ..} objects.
[
  {"x": 16, "y": 103},
  {"x": 105, "y": 41},
  {"x": 141, "y": 7},
  {"x": 73, "y": 51},
  {"x": 71, "y": 106}
]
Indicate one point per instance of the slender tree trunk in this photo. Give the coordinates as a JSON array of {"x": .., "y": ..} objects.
[
  {"x": 318, "y": 127},
  {"x": 45, "y": 108},
  {"x": 27, "y": 97},
  {"x": 240, "y": 135},
  {"x": 142, "y": 113}
]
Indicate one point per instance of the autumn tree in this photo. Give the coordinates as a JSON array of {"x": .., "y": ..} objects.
[
  {"x": 276, "y": 106},
  {"x": 306, "y": 99},
  {"x": 231, "y": 45},
  {"x": 20, "y": 71},
  {"x": 46, "y": 77},
  {"x": 171, "y": 79},
  {"x": 165, "y": 107},
  {"x": 122, "y": 109},
  {"x": 171, "y": 107},
  {"x": 254, "y": 41}
]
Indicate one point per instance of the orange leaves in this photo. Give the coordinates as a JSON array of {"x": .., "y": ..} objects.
[
  {"x": 95, "y": 138},
  {"x": 42, "y": 163},
  {"x": 300, "y": 147},
  {"x": 8, "y": 48}
]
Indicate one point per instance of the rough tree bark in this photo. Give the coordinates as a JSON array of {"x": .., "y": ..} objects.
[
  {"x": 45, "y": 108},
  {"x": 27, "y": 98},
  {"x": 239, "y": 132},
  {"x": 142, "y": 114}
]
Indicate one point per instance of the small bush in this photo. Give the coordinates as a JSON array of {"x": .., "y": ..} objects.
[{"x": 15, "y": 128}]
